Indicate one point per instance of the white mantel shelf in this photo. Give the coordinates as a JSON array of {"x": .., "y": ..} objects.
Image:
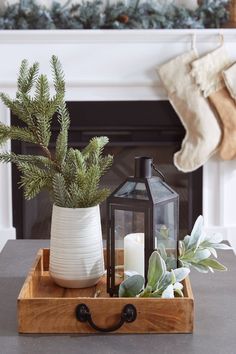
[
  {"x": 107, "y": 65},
  {"x": 113, "y": 36}
]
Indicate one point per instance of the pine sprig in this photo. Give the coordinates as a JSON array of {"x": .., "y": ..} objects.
[
  {"x": 94, "y": 150},
  {"x": 60, "y": 193},
  {"x": 40, "y": 161},
  {"x": 42, "y": 92},
  {"x": 58, "y": 76},
  {"x": 27, "y": 76},
  {"x": 16, "y": 107},
  {"x": 33, "y": 179},
  {"x": 72, "y": 177},
  {"x": 62, "y": 139},
  {"x": 15, "y": 133}
]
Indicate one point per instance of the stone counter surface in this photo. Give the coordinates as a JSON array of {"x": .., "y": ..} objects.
[{"x": 215, "y": 315}]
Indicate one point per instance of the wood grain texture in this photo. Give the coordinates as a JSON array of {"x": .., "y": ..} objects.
[{"x": 44, "y": 307}]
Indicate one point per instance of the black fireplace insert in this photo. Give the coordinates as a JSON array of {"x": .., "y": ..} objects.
[{"x": 134, "y": 128}]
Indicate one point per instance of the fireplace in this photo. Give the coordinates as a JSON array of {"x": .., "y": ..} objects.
[
  {"x": 116, "y": 65},
  {"x": 134, "y": 128}
]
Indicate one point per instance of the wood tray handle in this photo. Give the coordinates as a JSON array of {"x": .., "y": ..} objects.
[{"x": 128, "y": 314}]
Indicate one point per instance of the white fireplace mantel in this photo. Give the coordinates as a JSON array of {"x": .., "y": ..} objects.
[{"x": 116, "y": 65}]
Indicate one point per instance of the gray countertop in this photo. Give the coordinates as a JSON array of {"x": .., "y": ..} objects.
[{"x": 215, "y": 315}]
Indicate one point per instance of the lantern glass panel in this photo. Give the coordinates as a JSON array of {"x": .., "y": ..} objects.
[
  {"x": 129, "y": 235},
  {"x": 165, "y": 229},
  {"x": 133, "y": 190},
  {"x": 159, "y": 190}
]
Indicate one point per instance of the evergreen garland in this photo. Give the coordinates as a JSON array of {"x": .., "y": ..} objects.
[
  {"x": 28, "y": 14},
  {"x": 71, "y": 176}
]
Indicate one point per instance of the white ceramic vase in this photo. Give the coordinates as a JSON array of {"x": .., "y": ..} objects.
[{"x": 76, "y": 250}]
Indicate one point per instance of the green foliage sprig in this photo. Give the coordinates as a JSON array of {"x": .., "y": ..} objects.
[
  {"x": 194, "y": 251},
  {"x": 71, "y": 176},
  {"x": 28, "y": 14}
]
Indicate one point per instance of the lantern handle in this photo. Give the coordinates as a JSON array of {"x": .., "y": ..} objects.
[
  {"x": 158, "y": 171},
  {"x": 128, "y": 314}
]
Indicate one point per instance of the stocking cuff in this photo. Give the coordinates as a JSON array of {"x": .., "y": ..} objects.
[
  {"x": 207, "y": 70},
  {"x": 175, "y": 73},
  {"x": 229, "y": 76}
]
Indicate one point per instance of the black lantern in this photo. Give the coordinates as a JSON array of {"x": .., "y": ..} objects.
[{"x": 142, "y": 214}]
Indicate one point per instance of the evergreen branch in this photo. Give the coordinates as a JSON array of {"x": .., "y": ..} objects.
[
  {"x": 100, "y": 196},
  {"x": 105, "y": 163},
  {"x": 80, "y": 161},
  {"x": 16, "y": 133},
  {"x": 22, "y": 107},
  {"x": 95, "y": 148},
  {"x": 69, "y": 168},
  {"x": 27, "y": 77},
  {"x": 72, "y": 176},
  {"x": 22, "y": 75},
  {"x": 41, "y": 103},
  {"x": 58, "y": 76},
  {"x": 42, "y": 93},
  {"x": 14, "y": 106},
  {"x": 43, "y": 129},
  {"x": 75, "y": 195},
  {"x": 60, "y": 194},
  {"x": 33, "y": 179},
  {"x": 40, "y": 161},
  {"x": 62, "y": 139},
  {"x": 31, "y": 78}
]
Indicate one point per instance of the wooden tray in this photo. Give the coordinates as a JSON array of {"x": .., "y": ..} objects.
[{"x": 44, "y": 307}]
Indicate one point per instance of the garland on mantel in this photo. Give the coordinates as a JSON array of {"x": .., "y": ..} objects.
[{"x": 131, "y": 14}]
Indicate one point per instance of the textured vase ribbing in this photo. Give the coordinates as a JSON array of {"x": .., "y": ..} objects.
[{"x": 76, "y": 251}]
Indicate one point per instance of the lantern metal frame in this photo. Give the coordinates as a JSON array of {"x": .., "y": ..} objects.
[{"x": 147, "y": 207}]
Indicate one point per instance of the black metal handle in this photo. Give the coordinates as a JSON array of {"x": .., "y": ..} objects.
[{"x": 128, "y": 314}]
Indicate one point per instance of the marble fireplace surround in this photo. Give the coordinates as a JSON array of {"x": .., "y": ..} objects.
[{"x": 116, "y": 65}]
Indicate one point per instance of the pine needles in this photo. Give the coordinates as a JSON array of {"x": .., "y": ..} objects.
[{"x": 72, "y": 177}]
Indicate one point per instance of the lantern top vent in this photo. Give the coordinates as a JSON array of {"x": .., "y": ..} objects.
[
  {"x": 143, "y": 167},
  {"x": 143, "y": 186}
]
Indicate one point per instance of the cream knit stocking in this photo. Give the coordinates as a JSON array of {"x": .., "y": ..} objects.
[{"x": 203, "y": 133}]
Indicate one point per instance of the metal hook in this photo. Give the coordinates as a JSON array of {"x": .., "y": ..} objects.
[
  {"x": 193, "y": 42},
  {"x": 158, "y": 171}
]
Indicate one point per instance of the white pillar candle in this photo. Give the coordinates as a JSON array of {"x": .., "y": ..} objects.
[{"x": 134, "y": 254}]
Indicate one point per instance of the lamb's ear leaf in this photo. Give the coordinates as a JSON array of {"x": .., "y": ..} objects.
[
  {"x": 215, "y": 238},
  {"x": 196, "y": 233},
  {"x": 168, "y": 293},
  {"x": 213, "y": 263},
  {"x": 221, "y": 246},
  {"x": 162, "y": 250},
  {"x": 181, "y": 273},
  {"x": 201, "y": 254},
  {"x": 156, "y": 269},
  {"x": 132, "y": 286},
  {"x": 199, "y": 267}
]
